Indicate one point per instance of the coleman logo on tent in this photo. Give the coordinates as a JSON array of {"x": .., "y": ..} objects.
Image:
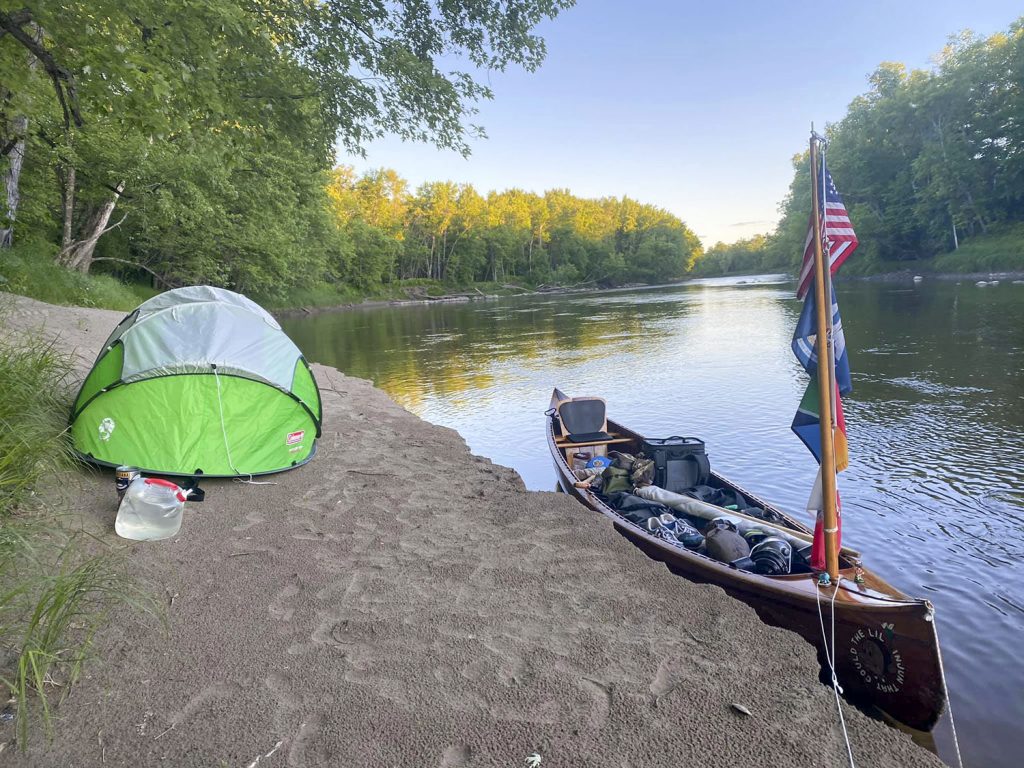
[
  {"x": 294, "y": 437},
  {"x": 106, "y": 429}
]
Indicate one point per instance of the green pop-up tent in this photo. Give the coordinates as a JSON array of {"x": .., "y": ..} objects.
[{"x": 198, "y": 381}]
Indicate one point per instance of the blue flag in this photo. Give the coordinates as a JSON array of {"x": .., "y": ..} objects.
[{"x": 804, "y": 340}]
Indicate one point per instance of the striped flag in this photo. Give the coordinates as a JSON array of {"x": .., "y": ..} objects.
[
  {"x": 806, "y": 426},
  {"x": 839, "y": 238},
  {"x": 806, "y": 334},
  {"x": 818, "y": 543}
]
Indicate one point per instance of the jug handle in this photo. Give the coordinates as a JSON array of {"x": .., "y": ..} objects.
[{"x": 182, "y": 495}]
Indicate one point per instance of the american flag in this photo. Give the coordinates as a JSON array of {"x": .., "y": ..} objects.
[{"x": 840, "y": 239}]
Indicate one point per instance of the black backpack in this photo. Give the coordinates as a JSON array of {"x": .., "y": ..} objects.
[{"x": 679, "y": 462}]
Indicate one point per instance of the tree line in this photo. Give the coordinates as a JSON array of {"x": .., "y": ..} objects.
[
  {"x": 189, "y": 143},
  {"x": 926, "y": 161},
  {"x": 743, "y": 257},
  {"x": 453, "y": 233},
  {"x": 195, "y": 141}
]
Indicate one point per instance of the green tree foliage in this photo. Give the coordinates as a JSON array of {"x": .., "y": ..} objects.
[
  {"x": 744, "y": 257},
  {"x": 925, "y": 160},
  {"x": 449, "y": 232},
  {"x": 193, "y": 138}
]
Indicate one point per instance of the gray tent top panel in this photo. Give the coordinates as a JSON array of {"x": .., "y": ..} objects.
[
  {"x": 189, "y": 330},
  {"x": 199, "y": 294}
]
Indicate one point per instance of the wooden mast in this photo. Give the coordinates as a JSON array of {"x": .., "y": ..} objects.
[{"x": 825, "y": 381}]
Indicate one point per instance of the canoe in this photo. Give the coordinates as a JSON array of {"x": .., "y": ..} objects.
[{"x": 886, "y": 647}]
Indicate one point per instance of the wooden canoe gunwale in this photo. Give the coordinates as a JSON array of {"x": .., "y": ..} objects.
[{"x": 792, "y": 602}]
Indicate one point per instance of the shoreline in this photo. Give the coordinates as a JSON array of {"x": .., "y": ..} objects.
[
  {"x": 399, "y": 601},
  {"x": 945, "y": 276},
  {"x": 897, "y": 276},
  {"x": 378, "y": 303},
  {"x": 462, "y": 298},
  {"x": 471, "y": 298}
]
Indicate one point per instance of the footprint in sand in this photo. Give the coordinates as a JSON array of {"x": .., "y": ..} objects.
[
  {"x": 303, "y": 750},
  {"x": 343, "y": 590},
  {"x": 282, "y": 606},
  {"x": 456, "y": 756},
  {"x": 601, "y": 693},
  {"x": 312, "y": 533},
  {"x": 662, "y": 682},
  {"x": 281, "y": 686},
  {"x": 318, "y": 498},
  {"x": 252, "y": 518},
  {"x": 341, "y": 634},
  {"x": 201, "y": 699},
  {"x": 676, "y": 674}
]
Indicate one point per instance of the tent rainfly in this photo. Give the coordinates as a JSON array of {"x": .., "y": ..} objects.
[{"x": 198, "y": 381}]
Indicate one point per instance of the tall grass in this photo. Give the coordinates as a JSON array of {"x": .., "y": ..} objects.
[
  {"x": 56, "y": 583},
  {"x": 29, "y": 269},
  {"x": 33, "y": 416}
]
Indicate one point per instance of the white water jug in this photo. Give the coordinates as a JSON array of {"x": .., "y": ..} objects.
[{"x": 150, "y": 510}]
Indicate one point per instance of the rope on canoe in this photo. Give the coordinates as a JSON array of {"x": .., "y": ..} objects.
[
  {"x": 949, "y": 703},
  {"x": 830, "y": 653},
  {"x": 835, "y": 683}
]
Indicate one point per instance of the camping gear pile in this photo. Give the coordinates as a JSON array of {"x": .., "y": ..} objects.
[
  {"x": 746, "y": 541},
  {"x": 697, "y": 516}
]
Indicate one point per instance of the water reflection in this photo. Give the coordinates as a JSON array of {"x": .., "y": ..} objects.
[{"x": 935, "y": 491}]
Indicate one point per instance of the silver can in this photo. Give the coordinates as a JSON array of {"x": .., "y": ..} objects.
[{"x": 123, "y": 477}]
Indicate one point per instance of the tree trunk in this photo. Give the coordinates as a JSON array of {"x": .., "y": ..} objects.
[
  {"x": 67, "y": 195},
  {"x": 11, "y": 178},
  {"x": 974, "y": 207},
  {"x": 78, "y": 255}
]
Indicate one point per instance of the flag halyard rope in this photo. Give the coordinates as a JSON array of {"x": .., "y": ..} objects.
[{"x": 829, "y": 645}]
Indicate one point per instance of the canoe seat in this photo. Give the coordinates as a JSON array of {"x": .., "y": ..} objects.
[{"x": 583, "y": 419}]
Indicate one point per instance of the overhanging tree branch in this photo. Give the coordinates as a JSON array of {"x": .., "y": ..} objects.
[
  {"x": 62, "y": 78},
  {"x": 135, "y": 264}
]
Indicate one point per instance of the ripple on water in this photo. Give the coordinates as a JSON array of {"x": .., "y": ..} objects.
[{"x": 934, "y": 388}]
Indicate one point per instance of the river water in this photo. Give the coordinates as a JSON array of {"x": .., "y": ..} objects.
[{"x": 934, "y": 495}]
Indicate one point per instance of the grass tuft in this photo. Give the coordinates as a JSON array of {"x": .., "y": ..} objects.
[
  {"x": 53, "y": 600},
  {"x": 33, "y": 416},
  {"x": 56, "y": 585}
]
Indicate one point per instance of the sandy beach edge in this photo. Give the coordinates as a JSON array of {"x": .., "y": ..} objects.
[{"x": 402, "y": 602}]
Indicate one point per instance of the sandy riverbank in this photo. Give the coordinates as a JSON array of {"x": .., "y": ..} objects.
[{"x": 401, "y": 602}]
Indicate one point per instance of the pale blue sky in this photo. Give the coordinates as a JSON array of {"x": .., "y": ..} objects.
[{"x": 697, "y": 107}]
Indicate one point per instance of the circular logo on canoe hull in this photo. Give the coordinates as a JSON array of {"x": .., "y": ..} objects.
[{"x": 876, "y": 659}]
